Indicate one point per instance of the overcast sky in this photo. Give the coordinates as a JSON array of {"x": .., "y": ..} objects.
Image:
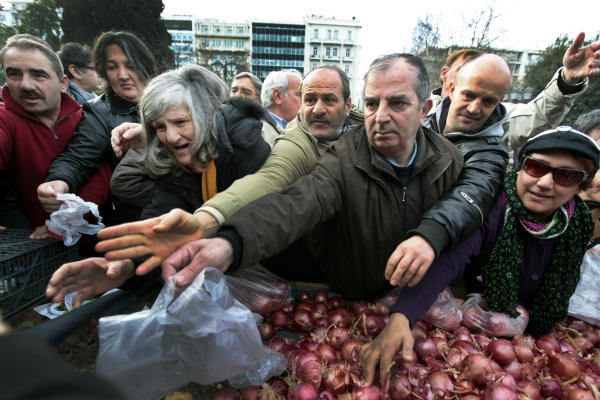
[{"x": 387, "y": 25}]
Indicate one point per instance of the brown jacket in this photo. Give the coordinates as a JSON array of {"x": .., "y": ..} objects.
[{"x": 365, "y": 211}]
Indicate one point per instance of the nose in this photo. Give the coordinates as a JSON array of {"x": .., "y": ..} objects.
[
  {"x": 172, "y": 135},
  {"x": 546, "y": 181},
  {"x": 474, "y": 106},
  {"x": 123, "y": 72},
  {"x": 319, "y": 107},
  {"x": 27, "y": 82},
  {"x": 382, "y": 114}
]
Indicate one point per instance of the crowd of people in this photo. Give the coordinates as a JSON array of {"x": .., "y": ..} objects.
[{"x": 421, "y": 188}]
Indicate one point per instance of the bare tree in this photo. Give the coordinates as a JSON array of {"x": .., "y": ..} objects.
[
  {"x": 426, "y": 34},
  {"x": 482, "y": 33}
]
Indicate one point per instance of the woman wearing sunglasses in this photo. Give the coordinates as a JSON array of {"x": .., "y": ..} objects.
[{"x": 529, "y": 249}]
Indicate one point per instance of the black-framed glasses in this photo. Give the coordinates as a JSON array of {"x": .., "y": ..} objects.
[{"x": 562, "y": 175}]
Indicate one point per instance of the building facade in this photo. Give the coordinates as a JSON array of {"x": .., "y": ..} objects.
[
  {"x": 331, "y": 41},
  {"x": 277, "y": 46},
  {"x": 223, "y": 47},
  {"x": 181, "y": 29}
]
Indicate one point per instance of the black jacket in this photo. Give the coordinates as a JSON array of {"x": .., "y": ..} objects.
[
  {"x": 463, "y": 208},
  {"x": 90, "y": 145},
  {"x": 241, "y": 149}
]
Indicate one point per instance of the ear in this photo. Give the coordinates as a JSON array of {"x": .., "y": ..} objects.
[
  {"x": 444, "y": 74},
  {"x": 347, "y": 106},
  {"x": 74, "y": 71},
  {"x": 64, "y": 83},
  {"x": 426, "y": 108},
  {"x": 451, "y": 88},
  {"x": 276, "y": 96}
]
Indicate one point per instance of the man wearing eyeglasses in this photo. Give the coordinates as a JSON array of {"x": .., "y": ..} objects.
[{"x": 77, "y": 64}]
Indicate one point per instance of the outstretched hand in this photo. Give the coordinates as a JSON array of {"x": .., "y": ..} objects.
[
  {"x": 128, "y": 135},
  {"x": 158, "y": 236},
  {"x": 580, "y": 62},
  {"x": 409, "y": 262},
  {"x": 89, "y": 278},
  {"x": 191, "y": 258},
  {"x": 395, "y": 336}
]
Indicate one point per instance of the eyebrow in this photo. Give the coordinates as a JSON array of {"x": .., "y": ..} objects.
[{"x": 34, "y": 70}]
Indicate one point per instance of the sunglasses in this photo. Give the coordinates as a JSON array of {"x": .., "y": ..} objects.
[{"x": 561, "y": 175}]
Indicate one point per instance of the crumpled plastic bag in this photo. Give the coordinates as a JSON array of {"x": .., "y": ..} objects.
[
  {"x": 585, "y": 302},
  {"x": 259, "y": 290},
  {"x": 271, "y": 364},
  {"x": 200, "y": 333},
  {"x": 477, "y": 318},
  {"x": 445, "y": 312},
  {"x": 67, "y": 223}
]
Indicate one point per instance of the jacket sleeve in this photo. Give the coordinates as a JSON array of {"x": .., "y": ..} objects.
[
  {"x": 544, "y": 112},
  {"x": 464, "y": 207},
  {"x": 271, "y": 223},
  {"x": 287, "y": 162},
  {"x": 5, "y": 145},
  {"x": 96, "y": 189},
  {"x": 130, "y": 182},
  {"x": 89, "y": 146}
]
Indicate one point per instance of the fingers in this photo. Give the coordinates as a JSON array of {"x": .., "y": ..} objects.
[
  {"x": 39, "y": 233},
  {"x": 169, "y": 220},
  {"x": 128, "y": 228},
  {"x": 577, "y": 43},
  {"x": 121, "y": 242},
  {"x": 127, "y": 253},
  {"x": 408, "y": 343},
  {"x": 188, "y": 274},
  {"x": 148, "y": 265},
  {"x": 387, "y": 359},
  {"x": 420, "y": 272},
  {"x": 125, "y": 136},
  {"x": 119, "y": 269},
  {"x": 369, "y": 355},
  {"x": 392, "y": 263}
]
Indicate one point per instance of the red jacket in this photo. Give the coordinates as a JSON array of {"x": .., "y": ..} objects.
[{"x": 27, "y": 147}]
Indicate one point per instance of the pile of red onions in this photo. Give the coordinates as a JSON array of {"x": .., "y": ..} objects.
[{"x": 325, "y": 362}]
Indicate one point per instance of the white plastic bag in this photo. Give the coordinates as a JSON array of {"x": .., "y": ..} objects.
[
  {"x": 585, "y": 302},
  {"x": 200, "y": 334},
  {"x": 67, "y": 223}
]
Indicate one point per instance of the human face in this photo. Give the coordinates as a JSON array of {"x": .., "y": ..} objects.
[
  {"x": 322, "y": 107},
  {"x": 392, "y": 112},
  {"x": 448, "y": 74},
  {"x": 474, "y": 96},
  {"x": 33, "y": 84},
  {"x": 175, "y": 129},
  {"x": 122, "y": 77},
  {"x": 88, "y": 78},
  {"x": 290, "y": 102},
  {"x": 243, "y": 87},
  {"x": 542, "y": 196}
]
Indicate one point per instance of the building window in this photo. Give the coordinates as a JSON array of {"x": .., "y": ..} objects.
[
  {"x": 316, "y": 34},
  {"x": 228, "y": 43},
  {"x": 217, "y": 29},
  {"x": 313, "y": 65},
  {"x": 205, "y": 28},
  {"x": 229, "y": 30},
  {"x": 335, "y": 51},
  {"x": 328, "y": 33},
  {"x": 335, "y": 35},
  {"x": 240, "y": 30},
  {"x": 216, "y": 42},
  {"x": 348, "y": 51},
  {"x": 217, "y": 57},
  {"x": 315, "y": 52},
  {"x": 349, "y": 35},
  {"x": 239, "y": 43},
  {"x": 347, "y": 69},
  {"x": 327, "y": 51},
  {"x": 205, "y": 42}
]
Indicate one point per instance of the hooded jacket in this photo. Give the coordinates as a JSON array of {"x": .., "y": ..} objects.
[{"x": 463, "y": 208}]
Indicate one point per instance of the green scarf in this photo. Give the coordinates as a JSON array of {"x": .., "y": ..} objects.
[{"x": 501, "y": 274}]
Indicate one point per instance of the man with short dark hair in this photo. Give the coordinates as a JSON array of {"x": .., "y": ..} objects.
[
  {"x": 77, "y": 63},
  {"x": 246, "y": 85},
  {"x": 38, "y": 120}
]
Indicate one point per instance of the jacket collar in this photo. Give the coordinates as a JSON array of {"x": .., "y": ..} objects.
[
  {"x": 491, "y": 128},
  {"x": 68, "y": 106},
  {"x": 118, "y": 105}
]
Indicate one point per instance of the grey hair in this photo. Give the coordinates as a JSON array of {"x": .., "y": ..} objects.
[
  {"x": 588, "y": 122},
  {"x": 202, "y": 92},
  {"x": 255, "y": 81},
  {"x": 27, "y": 42},
  {"x": 276, "y": 80},
  {"x": 383, "y": 63}
]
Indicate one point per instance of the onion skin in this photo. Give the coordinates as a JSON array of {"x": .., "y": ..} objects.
[
  {"x": 580, "y": 394},
  {"x": 502, "y": 351},
  {"x": 399, "y": 387},
  {"x": 304, "y": 391},
  {"x": 337, "y": 337},
  {"x": 551, "y": 388},
  {"x": 548, "y": 344},
  {"x": 514, "y": 368},
  {"x": 563, "y": 366},
  {"x": 524, "y": 353},
  {"x": 321, "y": 297},
  {"x": 499, "y": 392},
  {"x": 440, "y": 384},
  {"x": 280, "y": 319},
  {"x": 351, "y": 350},
  {"x": 250, "y": 393},
  {"x": 584, "y": 345},
  {"x": 266, "y": 331},
  {"x": 425, "y": 347},
  {"x": 529, "y": 389}
]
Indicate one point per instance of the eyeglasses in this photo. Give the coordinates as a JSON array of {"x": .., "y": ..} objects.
[{"x": 561, "y": 175}]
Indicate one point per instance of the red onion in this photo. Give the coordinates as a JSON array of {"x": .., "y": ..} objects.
[
  {"x": 351, "y": 350},
  {"x": 563, "y": 366},
  {"x": 578, "y": 325},
  {"x": 424, "y": 347},
  {"x": 508, "y": 380},
  {"x": 278, "y": 344},
  {"x": 464, "y": 345},
  {"x": 288, "y": 308},
  {"x": 336, "y": 380},
  {"x": 303, "y": 296},
  {"x": 321, "y": 297},
  {"x": 279, "y": 385},
  {"x": 514, "y": 368},
  {"x": 280, "y": 319},
  {"x": 337, "y": 302},
  {"x": 359, "y": 308},
  {"x": 269, "y": 393},
  {"x": 524, "y": 353},
  {"x": 373, "y": 324},
  {"x": 306, "y": 365},
  {"x": 399, "y": 387},
  {"x": 326, "y": 352},
  {"x": 495, "y": 366},
  {"x": 476, "y": 367},
  {"x": 381, "y": 308},
  {"x": 580, "y": 394},
  {"x": 390, "y": 298},
  {"x": 548, "y": 344},
  {"x": 337, "y": 337},
  {"x": 455, "y": 357},
  {"x": 584, "y": 345},
  {"x": 266, "y": 331},
  {"x": 440, "y": 383},
  {"x": 304, "y": 391},
  {"x": 227, "y": 394},
  {"x": 499, "y": 392},
  {"x": 303, "y": 320},
  {"x": 321, "y": 323},
  {"x": 250, "y": 393},
  {"x": 482, "y": 340},
  {"x": 551, "y": 388},
  {"x": 340, "y": 318},
  {"x": 308, "y": 344},
  {"x": 462, "y": 333},
  {"x": 502, "y": 351},
  {"x": 326, "y": 395},
  {"x": 304, "y": 305},
  {"x": 441, "y": 344},
  {"x": 419, "y": 330},
  {"x": 529, "y": 389},
  {"x": 366, "y": 393}
]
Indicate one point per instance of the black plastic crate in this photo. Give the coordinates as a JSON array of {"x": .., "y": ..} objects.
[{"x": 25, "y": 268}]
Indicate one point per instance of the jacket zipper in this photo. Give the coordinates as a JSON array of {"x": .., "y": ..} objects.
[
  {"x": 470, "y": 200},
  {"x": 404, "y": 195}
]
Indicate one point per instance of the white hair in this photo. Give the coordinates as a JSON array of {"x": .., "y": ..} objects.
[{"x": 276, "y": 80}]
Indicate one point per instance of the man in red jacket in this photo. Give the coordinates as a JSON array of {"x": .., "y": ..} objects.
[{"x": 36, "y": 123}]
